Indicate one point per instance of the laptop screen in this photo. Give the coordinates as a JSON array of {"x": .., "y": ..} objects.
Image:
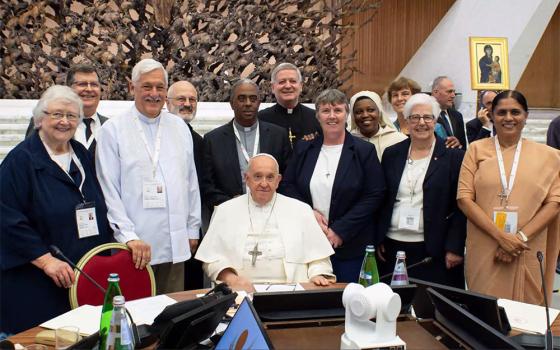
[{"x": 245, "y": 330}]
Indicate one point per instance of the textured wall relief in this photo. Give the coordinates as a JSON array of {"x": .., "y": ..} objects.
[{"x": 210, "y": 43}]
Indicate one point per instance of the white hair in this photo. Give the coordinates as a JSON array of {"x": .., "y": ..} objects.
[
  {"x": 285, "y": 66},
  {"x": 421, "y": 99},
  {"x": 145, "y": 66},
  {"x": 264, "y": 155},
  {"x": 56, "y": 93}
]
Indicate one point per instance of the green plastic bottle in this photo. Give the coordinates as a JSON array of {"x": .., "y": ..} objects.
[
  {"x": 113, "y": 289},
  {"x": 369, "y": 275}
]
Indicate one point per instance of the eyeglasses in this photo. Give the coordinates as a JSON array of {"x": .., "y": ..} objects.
[
  {"x": 427, "y": 118},
  {"x": 183, "y": 99},
  {"x": 258, "y": 178},
  {"x": 60, "y": 115},
  {"x": 86, "y": 84}
]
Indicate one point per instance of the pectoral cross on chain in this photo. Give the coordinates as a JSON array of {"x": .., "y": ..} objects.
[
  {"x": 291, "y": 137},
  {"x": 503, "y": 197},
  {"x": 254, "y": 253}
]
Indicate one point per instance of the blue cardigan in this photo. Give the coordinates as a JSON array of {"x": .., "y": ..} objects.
[
  {"x": 357, "y": 192},
  {"x": 444, "y": 224}
]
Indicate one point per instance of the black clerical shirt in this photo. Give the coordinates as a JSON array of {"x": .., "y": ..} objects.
[{"x": 301, "y": 122}]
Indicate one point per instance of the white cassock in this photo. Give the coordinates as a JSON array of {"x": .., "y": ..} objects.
[
  {"x": 291, "y": 245},
  {"x": 123, "y": 166}
]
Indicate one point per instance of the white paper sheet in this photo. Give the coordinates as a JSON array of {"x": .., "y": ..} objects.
[
  {"x": 264, "y": 288},
  {"x": 87, "y": 317},
  {"x": 527, "y": 318}
]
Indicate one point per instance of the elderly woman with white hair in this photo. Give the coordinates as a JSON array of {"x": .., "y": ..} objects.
[
  {"x": 371, "y": 123},
  {"x": 420, "y": 214},
  {"x": 49, "y": 195}
]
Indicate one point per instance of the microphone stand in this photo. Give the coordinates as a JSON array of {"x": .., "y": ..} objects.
[{"x": 548, "y": 328}]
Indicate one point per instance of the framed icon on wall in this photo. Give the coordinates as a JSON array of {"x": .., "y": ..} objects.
[{"x": 489, "y": 63}]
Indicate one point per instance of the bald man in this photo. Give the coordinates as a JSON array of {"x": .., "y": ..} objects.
[
  {"x": 265, "y": 237},
  {"x": 182, "y": 100}
]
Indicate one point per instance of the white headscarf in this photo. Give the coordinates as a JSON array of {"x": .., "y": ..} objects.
[{"x": 384, "y": 120}]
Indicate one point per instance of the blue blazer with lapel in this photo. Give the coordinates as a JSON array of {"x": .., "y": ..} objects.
[
  {"x": 37, "y": 209},
  {"x": 357, "y": 192},
  {"x": 444, "y": 224},
  {"x": 221, "y": 180}
]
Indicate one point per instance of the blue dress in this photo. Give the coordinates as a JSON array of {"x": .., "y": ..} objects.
[{"x": 37, "y": 209}]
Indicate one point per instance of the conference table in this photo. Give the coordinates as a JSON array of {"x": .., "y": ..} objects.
[{"x": 318, "y": 335}]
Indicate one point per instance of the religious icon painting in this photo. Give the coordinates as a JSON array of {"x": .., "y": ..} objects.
[{"x": 489, "y": 63}]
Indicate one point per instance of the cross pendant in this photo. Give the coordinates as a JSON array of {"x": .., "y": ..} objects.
[
  {"x": 291, "y": 137},
  {"x": 254, "y": 253},
  {"x": 503, "y": 197},
  {"x": 328, "y": 174}
]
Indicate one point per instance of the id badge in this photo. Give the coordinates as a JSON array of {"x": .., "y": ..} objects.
[
  {"x": 505, "y": 218},
  {"x": 409, "y": 219},
  {"x": 153, "y": 194},
  {"x": 86, "y": 220}
]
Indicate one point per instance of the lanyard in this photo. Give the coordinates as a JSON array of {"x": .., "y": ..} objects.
[
  {"x": 67, "y": 172},
  {"x": 507, "y": 186},
  {"x": 243, "y": 150},
  {"x": 157, "y": 147},
  {"x": 411, "y": 185}
]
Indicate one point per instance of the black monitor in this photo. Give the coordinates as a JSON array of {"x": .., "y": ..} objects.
[
  {"x": 484, "y": 307},
  {"x": 185, "y": 331},
  {"x": 467, "y": 327},
  {"x": 245, "y": 330}
]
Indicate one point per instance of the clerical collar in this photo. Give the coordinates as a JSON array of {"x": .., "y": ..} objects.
[
  {"x": 146, "y": 119},
  {"x": 289, "y": 110},
  {"x": 246, "y": 128},
  {"x": 265, "y": 207}
]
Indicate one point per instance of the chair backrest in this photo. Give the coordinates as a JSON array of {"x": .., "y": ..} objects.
[{"x": 99, "y": 263}]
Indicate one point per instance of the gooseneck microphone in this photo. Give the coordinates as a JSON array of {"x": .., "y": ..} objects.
[
  {"x": 56, "y": 251},
  {"x": 548, "y": 328},
  {"x": 426, "y": 260}
]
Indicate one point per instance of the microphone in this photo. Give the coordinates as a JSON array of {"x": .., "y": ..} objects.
[
  {"x": 424, "y": 261},
  {"x": 540, "y": 257},
  {"x": 56, "y": 251}
]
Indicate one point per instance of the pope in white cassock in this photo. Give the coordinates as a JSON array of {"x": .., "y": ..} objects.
[{"x": 265, "y": 237}]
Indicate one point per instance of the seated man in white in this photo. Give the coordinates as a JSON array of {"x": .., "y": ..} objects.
[{"x": 265, "y": 237}]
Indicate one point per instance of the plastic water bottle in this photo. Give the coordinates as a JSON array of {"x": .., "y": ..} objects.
[
  {"x": 120, "y": 335},
  {"x": 369, "y": 274},
  {"x": 113, "y": 289},
  {"x": 400, "y": 275}
]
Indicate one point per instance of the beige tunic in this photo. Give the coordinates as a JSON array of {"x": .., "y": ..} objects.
[{"x": 537, "y": 182}]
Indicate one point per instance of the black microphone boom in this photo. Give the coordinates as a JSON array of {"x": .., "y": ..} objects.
[
  {"x": 426, "y": 260},
  {"x": 56, "y": 251},
  {"x": 548, "y": 329}
]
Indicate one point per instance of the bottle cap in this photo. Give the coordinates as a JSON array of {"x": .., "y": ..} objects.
[
  {"x": 401, "y": 254},
  {"x": 113, "y": 277},
  {"x": 118, "y": 300},
  {"x": 370, "y": 248}
]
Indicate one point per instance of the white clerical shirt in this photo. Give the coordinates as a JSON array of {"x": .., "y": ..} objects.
[{"x": 123, "y": 165}]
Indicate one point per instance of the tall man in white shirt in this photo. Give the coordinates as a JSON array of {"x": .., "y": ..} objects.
[
  {"x": 146, "y": 168},
  {"x": 83, "y": 79}
]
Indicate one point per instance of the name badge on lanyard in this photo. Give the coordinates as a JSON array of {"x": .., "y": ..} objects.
[
  {"x": 506, "y": 216},
  {"x": 86, "y": 219},
  {"x": 409, "y": 218},
  {"x": 153, "y": 191}
]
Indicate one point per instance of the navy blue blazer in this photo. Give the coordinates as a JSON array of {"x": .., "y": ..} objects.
[
  {"x": 357, "y": 192},
  {"x": 445, "y": 226},
  {"x": 221, "y": 180},
  {"x": 37, "y": 209}
]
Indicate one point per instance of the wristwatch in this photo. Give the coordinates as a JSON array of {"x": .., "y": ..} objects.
[{"x": 521, "y": 236}]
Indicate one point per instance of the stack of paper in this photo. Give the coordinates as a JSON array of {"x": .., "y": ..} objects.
[{"x": 527, "y": 318}]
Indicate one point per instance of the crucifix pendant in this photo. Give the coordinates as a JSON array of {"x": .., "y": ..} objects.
[
  {"x": 328, "y": 174},
  {"x": 254, "y": 253}
]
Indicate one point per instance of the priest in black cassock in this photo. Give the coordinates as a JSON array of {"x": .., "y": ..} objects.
[{"x": 298, "y": 120}]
